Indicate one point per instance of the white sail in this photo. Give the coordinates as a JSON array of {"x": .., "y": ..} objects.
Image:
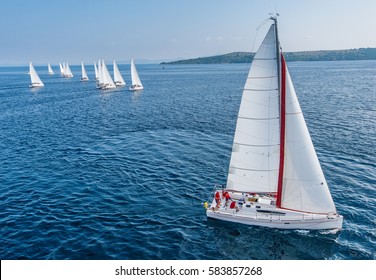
[
  {"x": 62, "y": 69},
  {"x": 67, "y": 71},
  {"x": 118, "y": 79},
  {"x": 84, "y": 74},
  {"x": 96, "y": 71},
  {"x": 100, "y": 74},
  {"x": 136, "y": 82},
  {"x": 35, "y": 80},
  {"x": 108, "y": 83},
  {"x": 254, "y": 160},
  {"x": 304, "y": 185},
  {"x": 50, "y": 71}
]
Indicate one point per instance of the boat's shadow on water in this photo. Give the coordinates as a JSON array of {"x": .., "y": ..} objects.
[{"x": 235, "y": 241}]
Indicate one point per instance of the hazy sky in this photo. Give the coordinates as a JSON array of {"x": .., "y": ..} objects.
[{"x": 73, "y": 30}]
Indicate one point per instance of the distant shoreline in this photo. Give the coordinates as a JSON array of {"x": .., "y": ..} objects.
[{"x": 246, "y": 57}]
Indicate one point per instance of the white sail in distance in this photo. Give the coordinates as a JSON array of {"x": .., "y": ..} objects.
[
  {"x": 136, "y": 82},
  {"x": 50, "y": 71},
  {"x": 84, "y": 74},
  {"x": 35, "y": 80},
  {"x": 118, "y": 79}
]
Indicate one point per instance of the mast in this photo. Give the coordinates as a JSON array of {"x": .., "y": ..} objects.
[{"x": 281, "y": 70}]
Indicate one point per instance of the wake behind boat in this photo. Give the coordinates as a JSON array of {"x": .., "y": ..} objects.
[{"x": 275, "y": 178}]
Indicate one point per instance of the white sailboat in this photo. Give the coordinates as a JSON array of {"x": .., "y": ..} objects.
[
  {"x": 50, "y": 71},
  {"x": 108, "y": 83},
  {"x": 67, "y": 71},
  {"x": 96, "y": 71},
  {"x": 118, "y": 79},
  {"x": 84, "y": 74},
  {"x": 62, "y": 69},
  {"x": 100, "y": 74},
  {"x": 136, "y": 82},
  {"x": 275, "y": 178},
  {"x": 35, "y": 80}
]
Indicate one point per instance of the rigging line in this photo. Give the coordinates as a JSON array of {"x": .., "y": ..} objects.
[{"x": 257, "y": 31}]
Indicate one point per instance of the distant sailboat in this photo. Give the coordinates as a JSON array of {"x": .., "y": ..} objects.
[
  {"x": 62, "y": 69},
  {"x": 67, "y": 71},
  {"x": 84, "y": 74},
  {"x": 50, "y": 71},
  {"x": 108, "y": 83},
  {"x": 35, "y": 80},
  {"x": 96, "y": 71},
  {"x": 136, "y": 82},
  {"x": 100, "y": 75},
  {"x": 275, "y": 178},
  {"x": 118, "y": 79}
]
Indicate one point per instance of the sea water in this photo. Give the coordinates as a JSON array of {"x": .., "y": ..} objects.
[{"x": 93, "y": 174}]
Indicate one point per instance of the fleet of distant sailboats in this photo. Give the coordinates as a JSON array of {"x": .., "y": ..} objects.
[{"x": 102, "y": 75}]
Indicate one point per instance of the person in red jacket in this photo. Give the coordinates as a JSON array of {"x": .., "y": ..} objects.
[{"x": 218, "y": 199}]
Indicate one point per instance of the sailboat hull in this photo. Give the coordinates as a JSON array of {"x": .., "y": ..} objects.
[
  {"x": 136, "y": 87},
  {"x": 261, "y": 210},
  {"x": 36, "y": 85},
  {"x": 275, "y": 221}
]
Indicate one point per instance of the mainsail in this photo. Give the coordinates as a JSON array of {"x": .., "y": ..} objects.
[{"x": 254, "y": 163}]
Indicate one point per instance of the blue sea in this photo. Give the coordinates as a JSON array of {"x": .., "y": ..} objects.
[{"x": 91, "y": 174}]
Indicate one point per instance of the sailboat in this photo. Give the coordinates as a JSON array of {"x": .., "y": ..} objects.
[
  {"x": 84, "y": 74},
  {"x": 96, "y": 71},
  {"x": 100, "y": 75},
  {"x": 275, "y": 179},
  {"x": 62, "y": 69},
  {"x": 107, "y": 83},
  {"x": 50, "y": 71},
  {"x": 67, "y": 71},
  {"x": 118, "y": 79},
  {"x": 136, "y": 82},
  {"x": 35, "y": 80}
]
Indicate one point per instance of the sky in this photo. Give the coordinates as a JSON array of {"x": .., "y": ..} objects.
[{"x": 162, "y": 30}]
